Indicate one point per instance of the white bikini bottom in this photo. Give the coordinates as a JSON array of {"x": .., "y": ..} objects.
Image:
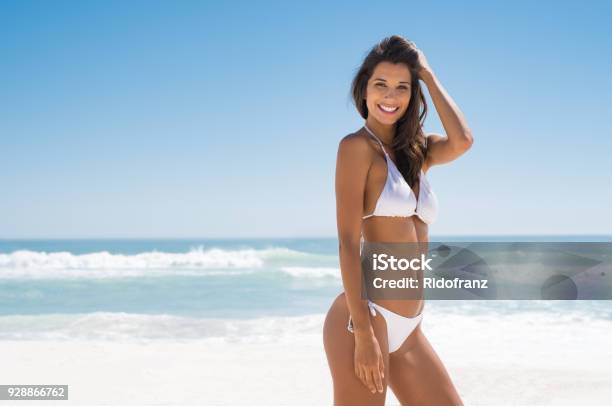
[{"x": 398, "y": 327}]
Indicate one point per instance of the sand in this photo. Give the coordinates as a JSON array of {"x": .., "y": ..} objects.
[{"x": 509, "y": 361}]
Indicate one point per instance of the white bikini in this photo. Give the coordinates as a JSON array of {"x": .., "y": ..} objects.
[{"x": 397, "y": 199}]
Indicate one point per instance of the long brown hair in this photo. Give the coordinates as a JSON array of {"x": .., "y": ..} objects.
[{"x": 409, "y": 139}]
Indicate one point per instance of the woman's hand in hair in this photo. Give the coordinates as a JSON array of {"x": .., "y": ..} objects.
[{"x": 424, "y": 69}]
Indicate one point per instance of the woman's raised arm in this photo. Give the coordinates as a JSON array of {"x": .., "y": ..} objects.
[{"x": 458, "y": 138}]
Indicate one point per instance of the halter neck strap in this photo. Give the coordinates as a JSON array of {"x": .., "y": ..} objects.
[{"x": 376, "y": 138}]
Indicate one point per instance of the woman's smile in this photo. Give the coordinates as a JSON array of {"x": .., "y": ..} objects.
[{"x": 387, "y": 109}]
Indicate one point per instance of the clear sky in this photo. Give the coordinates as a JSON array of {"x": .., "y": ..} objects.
[{"x": 222, "y": 119}]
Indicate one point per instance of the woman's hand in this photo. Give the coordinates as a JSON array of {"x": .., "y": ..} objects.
[
  {"x": 369, "y": 363},
  {"x": 424, "y": 68}
]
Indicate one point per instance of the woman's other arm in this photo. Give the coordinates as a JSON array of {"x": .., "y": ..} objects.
[{"x": 352, "y": 166}]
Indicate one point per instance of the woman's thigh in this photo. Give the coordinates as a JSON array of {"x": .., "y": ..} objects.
[
  {"x": 340, "y": 349},
  {"x": 417, "y": 375}
]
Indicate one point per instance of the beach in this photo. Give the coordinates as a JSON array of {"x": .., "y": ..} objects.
[
  {"x": 241, "y": 323},
  {"x": 507, "y": 360}
]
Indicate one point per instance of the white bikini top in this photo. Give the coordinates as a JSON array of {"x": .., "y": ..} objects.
[{"x": 397, "y": 198}]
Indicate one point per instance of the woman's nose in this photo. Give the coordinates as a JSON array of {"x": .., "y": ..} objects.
[{"x": 390, "y": 94}]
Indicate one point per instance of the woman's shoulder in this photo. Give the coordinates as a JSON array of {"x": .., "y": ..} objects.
[
  {"x": 356, "y": 144},
  {"x": 355, "y": 156}
]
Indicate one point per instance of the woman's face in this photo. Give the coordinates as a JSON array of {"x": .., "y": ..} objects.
[{"x": 388, "y": 92}]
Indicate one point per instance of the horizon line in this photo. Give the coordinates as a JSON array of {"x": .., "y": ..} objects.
[{"x": 289, "y": 237}]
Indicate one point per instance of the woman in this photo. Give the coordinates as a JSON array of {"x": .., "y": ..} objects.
[{"x": 382, "y": 195}]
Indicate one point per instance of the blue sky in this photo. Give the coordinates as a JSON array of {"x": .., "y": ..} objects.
[{"x": 222, "y": 119}]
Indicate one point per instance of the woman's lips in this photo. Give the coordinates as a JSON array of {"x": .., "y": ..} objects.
[{"x": 385, "y": 111}]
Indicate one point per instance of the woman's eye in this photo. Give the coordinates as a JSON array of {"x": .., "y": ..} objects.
[{"x": 380, "y": 84}]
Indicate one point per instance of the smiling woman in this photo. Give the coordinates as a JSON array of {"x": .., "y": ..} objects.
[
  {"x": 380, "y": 170},
  {"x": 388, "y": 95}
]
